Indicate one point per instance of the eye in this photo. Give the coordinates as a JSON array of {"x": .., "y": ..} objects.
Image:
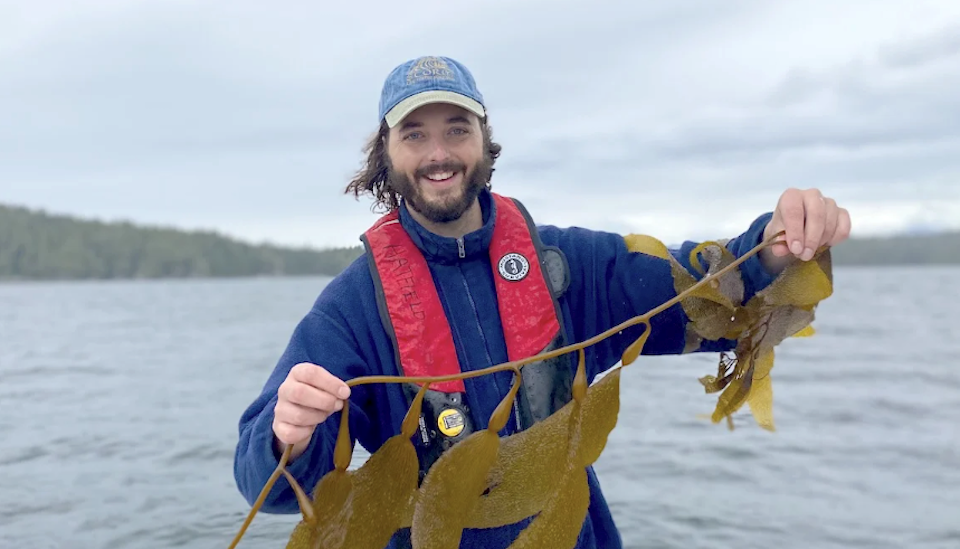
[
  {"x": 459, "y": 131},
  {"x": 412, "y": 135}
]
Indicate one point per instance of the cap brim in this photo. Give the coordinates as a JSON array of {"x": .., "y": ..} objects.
[{"x": 414, "y": 102}]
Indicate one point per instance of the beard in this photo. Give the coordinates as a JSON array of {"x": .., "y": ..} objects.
[{"x": 446, "y": 209}]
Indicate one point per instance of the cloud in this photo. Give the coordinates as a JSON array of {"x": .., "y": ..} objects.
[{"x": 681, "y": 119}]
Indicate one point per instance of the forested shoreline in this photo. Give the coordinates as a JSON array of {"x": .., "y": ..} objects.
[{"x": 36, "y": 245}]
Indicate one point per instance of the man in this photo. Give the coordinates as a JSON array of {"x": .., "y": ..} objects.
[{"x": 457, "y": 278}]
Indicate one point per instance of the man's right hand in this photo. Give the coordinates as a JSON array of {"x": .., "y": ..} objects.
[{"x": 308, "y": 396}]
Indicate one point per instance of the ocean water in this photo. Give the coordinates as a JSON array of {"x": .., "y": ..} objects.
[{"x": 120, "y": 403}]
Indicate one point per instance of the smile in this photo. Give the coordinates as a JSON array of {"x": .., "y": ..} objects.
[
  {"x": 441, "y": 180},
  {"x": 442, "y": 176}
]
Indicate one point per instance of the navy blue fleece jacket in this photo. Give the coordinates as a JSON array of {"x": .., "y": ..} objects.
[{"x": 343, "y": 333}]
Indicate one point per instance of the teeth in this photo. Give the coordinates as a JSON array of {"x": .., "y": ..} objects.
[{"x": 440, "y": 176}]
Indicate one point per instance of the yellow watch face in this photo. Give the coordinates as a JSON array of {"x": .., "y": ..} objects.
[{"x": 450, "y": 422}]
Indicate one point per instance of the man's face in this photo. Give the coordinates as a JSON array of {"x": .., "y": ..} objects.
[{"x": 437, "y": 162}]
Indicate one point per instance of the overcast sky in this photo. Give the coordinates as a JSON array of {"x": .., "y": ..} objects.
[{"x": 680, "y": 118}]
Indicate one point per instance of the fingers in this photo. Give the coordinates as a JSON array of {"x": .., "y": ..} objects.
[
  {"x": 304, "y": 416},
  {"x": 779, "y": 247},
  {"x": 791, "y": 210},
  {"x": 294, "y": 423},
  {"x": 809, "y": 221},
  {"x": 815, "y": 211},
  {"x": 308, "y": 396},
  {"x": 318, "y": 377},
  {"x": 302, "y": 394},
  {"x": 831, "y": 219},
  {"x": 843, "y": 227},
  {"x": 291, "y": 434}
]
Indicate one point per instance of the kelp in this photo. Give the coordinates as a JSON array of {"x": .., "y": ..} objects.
[
  {"x": 539, "y": 474},
  {"x": 783, "y": 309}
]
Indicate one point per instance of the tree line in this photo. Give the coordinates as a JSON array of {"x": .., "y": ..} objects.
[{"x": 38, "y": 245}]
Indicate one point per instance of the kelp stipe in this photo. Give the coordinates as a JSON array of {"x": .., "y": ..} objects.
[{"x": 486, "y": 481}]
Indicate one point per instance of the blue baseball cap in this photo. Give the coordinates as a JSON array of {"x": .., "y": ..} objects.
[{"x": 426, "y": 80}]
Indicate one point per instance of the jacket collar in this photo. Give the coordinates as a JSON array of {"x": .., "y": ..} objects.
[{"x": 446, "y": 250}]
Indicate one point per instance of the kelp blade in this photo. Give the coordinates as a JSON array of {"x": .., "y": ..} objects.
[
  {"x": 559, "y": 524},
  {"x": 709, "y": 307},
  {"x": 530, "y": 463},
  {"x": 760, "y": 399},
  {"x": 526, "y": 471},
  {"x": 383, "y": 487},
  {"x": 330, "y": 500},
  {"x": 715, "y": 311},
  {"x": 451, "y": 490},
  {"x": 738, "y": 389},
  {"x": 783, "y": 309},
  {"x": 646, "y": 244},
  {"x": 362, "y": 509},
  {"x": 454, "y": 483},
  {"x": 803, "y": 284},
  {"x": 600, "y": 412},
  {"x": 713, "y": 307}
]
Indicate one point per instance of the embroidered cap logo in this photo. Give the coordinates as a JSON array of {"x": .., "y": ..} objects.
[
  {"x": 513, "y": 266},
  {"x": 429, "y": 68}
]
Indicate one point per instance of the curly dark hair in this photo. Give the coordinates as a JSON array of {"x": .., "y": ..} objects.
[{"x": 373, "y": 177}]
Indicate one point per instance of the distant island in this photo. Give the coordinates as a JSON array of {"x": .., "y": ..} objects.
[{"x": 36, "y": 245}]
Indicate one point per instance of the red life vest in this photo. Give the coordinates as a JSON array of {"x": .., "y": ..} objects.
[
  {"x": 421, "y": 333},
  {"x": 529, "y": 278}
]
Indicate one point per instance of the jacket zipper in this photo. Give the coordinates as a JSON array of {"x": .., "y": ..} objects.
[
  {"x": 460, "y": 249},
  {"x": 473, "y": 305}
]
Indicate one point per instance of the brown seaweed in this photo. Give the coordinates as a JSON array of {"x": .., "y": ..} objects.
[
  {"x": 530, "y": 467},
  {"x": 450, "y": 490},
  {"x": 486, "y": 481}
]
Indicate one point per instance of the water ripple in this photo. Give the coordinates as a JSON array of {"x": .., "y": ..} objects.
[{"x": 119, "y": 428}]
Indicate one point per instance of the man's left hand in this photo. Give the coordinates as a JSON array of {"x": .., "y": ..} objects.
[{"x": 810, "y": 220}]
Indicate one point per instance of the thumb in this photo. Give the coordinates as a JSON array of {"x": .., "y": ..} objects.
[{"x": 780, "y": 248}]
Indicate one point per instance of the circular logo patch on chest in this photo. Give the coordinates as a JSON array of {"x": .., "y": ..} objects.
[
  {"x": 450, "y": 422},
  {"x": 513, "y": 266}
]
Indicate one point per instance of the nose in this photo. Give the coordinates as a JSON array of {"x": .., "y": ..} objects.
[{"x": 438, "y": 151}]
